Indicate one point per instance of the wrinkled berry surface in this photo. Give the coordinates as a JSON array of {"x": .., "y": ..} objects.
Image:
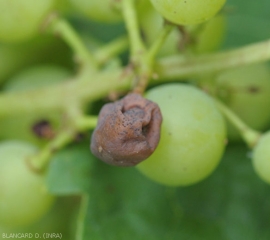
[{"x": 127, "y": 132}]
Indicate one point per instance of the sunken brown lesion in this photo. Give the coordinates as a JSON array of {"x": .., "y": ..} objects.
[
  {"x": 43, "y": 129},
  {"x": 128, "y": 131}
]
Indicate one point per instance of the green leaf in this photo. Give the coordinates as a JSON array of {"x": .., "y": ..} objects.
[
  {"x": 233, "y": 197},
  {"x": 70, "y": 171},
  {"x": 247, "y": 22},
  {"x": 231, "y": 204}
]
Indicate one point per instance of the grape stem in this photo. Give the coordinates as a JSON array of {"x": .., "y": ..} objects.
[
  {"x": 39, "y": 162},
  {"x": 175, "y": 67},
  {"x": 148, "y": 59},
  {"x": 249, "y": 135},
  {"x": 61, "y": 27},
  {"x": 82, "y": 90},
  {"x": 130, "y": 16},
  {"x": 158, "y": 43},
  {"x": 138, "y": 65},
  {"x": 86, "y": 122},
  {"x": 77, "y": 120},
  {"x": 110, "y": 50},
  {"x": 141, "y": 59},
  {"x": 65, "y": 136}
]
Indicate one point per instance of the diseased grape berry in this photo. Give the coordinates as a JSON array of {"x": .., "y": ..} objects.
[{"x": 128, "y": 131}]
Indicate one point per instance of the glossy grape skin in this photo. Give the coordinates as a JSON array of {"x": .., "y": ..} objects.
[
  {"x": 246, "y": 90},
  {"x": 188, "y": 12},
  {"x": 32, "y": 78},
  {"x": 192, "y": 136},
  {"x": 98, "y": 10},
  {"x": 23, "y": 195},
  {"x": 20, "y": 19},
  {"x": 261, "y": 157}
]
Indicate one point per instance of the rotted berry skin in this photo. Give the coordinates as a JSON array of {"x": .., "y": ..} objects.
[{"x": 128, "y": 131}]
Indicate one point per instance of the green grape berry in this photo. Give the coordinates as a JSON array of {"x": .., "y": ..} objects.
[
  {"x": 188, "y": 12},
  {"x": 23, "y": 195},
  {"x": 102, "y": 11},
  {"x": 261, "y": 157},
  {"x": 208, "y": 36},
  {"x": 15, "y": 57},
  {"x": 192, "y": 136},
  {"x": 246, "y": 90},
  {"x": 64, "y": 7},
  {"x": 30, "y": 79},
  {"x": 202, "y": 38},
  {"x": 37, "y": 77},
  {"x": 20, "y": 20},
  {"x": 151, "y": 23}
]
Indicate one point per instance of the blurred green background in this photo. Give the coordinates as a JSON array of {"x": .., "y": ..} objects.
[{"x": 231, "y": 204}]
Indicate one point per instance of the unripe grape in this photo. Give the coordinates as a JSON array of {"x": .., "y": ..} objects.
[
  {"x": 192, "y": 136},
  {"x": 15, "y": 57},
  {"x": 151, "y": 23},
  {"x": 32, "y": 78},
  {"x": 261, "y": 157},
  {"x": 103, "y": 11},
  {"x": 23, "y": 195},
  {"x": 37, "y": 77},
  {"x": 20, "y": 19},
  {"x": 64, "y": 7},
  {"x": 188, "y": 12},
  {"x": 246, "y": 90},
  {"x": 202, "y": 38},
  {"x": 208, "y": 36}
]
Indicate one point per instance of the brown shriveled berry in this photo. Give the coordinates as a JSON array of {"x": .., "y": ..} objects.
[{"x": 127, "y": 132}]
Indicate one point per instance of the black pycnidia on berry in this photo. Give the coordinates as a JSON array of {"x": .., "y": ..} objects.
[{"x": 127, "y": 132}]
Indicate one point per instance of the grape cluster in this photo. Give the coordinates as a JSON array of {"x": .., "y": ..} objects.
[{"x": 173, "y": 133}]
